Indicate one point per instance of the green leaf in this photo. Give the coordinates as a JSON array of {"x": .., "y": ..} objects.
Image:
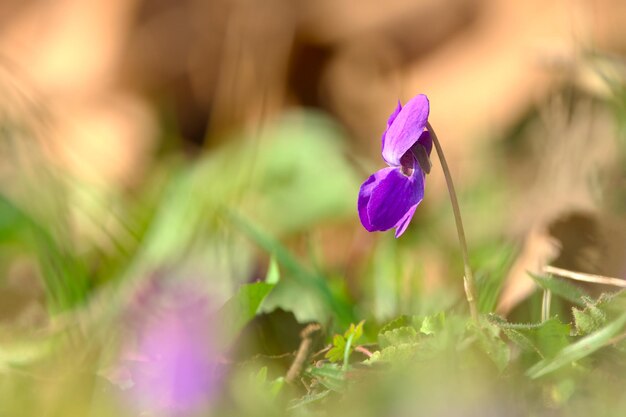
[
  {"x": 397, "y": 354},
  {"x": 401, "y": 321},
  {"x": 297, "y": 271},
  {"x": 276, "y": 386},
  {"x": 579, "y": 350},
  {"x": 300, "y": 175},
  {"x": 562, "y": 288},
  {"x": 503, "y": 324},
  {"x": 344, "y": 345},
  {"x": 242, "y": 308},
  {"x": 273, "y": 273},
  {"x": 590, "y": 319},
  {"x": 308, "y": 399},
  {"x": 545, "y": 338},
  {"x": 336, "y": 353},
  {"x": 399, "y": 336},
  {"x": 522, "y": 341},
  {"x": 552, "y": 336},
  {"x": 352, "y": 335},
  {"x": 493, "y": 346},
  {"x": 270, "y": 387},
  {"x": 261, "y": 376},
  {"x": 329, "y": 375},
  {"x": 432, "y": 324},
  {"x": 355, "y": 330}
]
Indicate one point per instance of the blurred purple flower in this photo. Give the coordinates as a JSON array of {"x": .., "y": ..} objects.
[
  {"x": 174, "y": 366},
  {"x": 390, "y": 196}
]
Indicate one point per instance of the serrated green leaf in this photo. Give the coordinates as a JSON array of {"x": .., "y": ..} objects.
[
  {"x": 545, "y": 338},
  {"x": 503, "y": 324},
  {"x": 401, "y": 321},
  {"x": 581, "y": 349},
  {"x": 590, "y": 319},
  {"x": 552, "y": 336},
  {"x": 355, "y": 330},
  {"x": 522, "y": 341},
  {"x": 308, "y": 399},
  {"x": 494, "y": 347},
  {"x": 335, "y": 354},
  {"x": 344, "y": 345},
  {"x": 399, "y": 336},
  {"x": 562, "y": 288},
  {"x": 329, "y": 375},
  {"x": 432, "y": 324},
  {"x": 358, "y": 331},
  {"x": 394, "y": 354}
]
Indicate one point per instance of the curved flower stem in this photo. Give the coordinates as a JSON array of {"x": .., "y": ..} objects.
[{"x": 468, "y": 279}]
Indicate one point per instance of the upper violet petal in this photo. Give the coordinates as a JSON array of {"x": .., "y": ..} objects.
[
  {"x": 406, "y": 129},
  {"x": 426, "y": 141},
  {"x": 394, "y": 114},
  {"x": 366, "y": 192},
  {"x": 392, "y": 117},
  {"x": 393, "y": 197}
]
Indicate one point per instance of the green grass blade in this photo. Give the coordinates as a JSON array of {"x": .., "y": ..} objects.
[{"x": 584, "y": 347}]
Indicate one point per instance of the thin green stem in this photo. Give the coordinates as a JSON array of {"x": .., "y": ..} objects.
[
  {"x": 545, "y": 305},
  {"x": 468, "y": 279},
  {"x": 346, "y": 352}
]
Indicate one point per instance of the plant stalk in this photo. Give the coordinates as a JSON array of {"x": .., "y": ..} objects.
[
  {"x": 468, "y": 280},
  {"x": 545, "y": 305}
]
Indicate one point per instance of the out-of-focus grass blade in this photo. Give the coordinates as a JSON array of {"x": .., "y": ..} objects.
[
  {"x": 584, "y": 347},
  {"x": 308, "y": 399},
  {"x": 64, "y": 275},
  {"x": 494, "y": 261},
  {"x": 23, "y": 352},
  {"x": 561, "y": 288}
]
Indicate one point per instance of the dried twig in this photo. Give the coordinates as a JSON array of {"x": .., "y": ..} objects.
[
  {"x": 303, "y": 352},
  {"x": 581, "y": 276}
]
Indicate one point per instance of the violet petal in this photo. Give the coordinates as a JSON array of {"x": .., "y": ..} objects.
[
  {"x": 404, "y": 221},
  {"x": 390, "y": 120},
  {"x": 393, "y": 199},
  {"x": 426, "y": 141},
  {"x": 366, "y": 192},
  {"x": 405, "y": 129}
]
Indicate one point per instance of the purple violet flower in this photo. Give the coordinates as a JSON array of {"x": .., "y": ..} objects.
[
  {"x": 173, "y": 367},
  {"x": 390, "y": 196}
]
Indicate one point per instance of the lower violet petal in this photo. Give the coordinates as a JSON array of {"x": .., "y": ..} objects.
[
  {"x": 393, "y": 198},
  {"x": 404, "y": 222},
  {"x": 366, "y": 192}
]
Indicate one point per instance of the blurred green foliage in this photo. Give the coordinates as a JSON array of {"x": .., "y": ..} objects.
[{"x": 234, "y": 221}]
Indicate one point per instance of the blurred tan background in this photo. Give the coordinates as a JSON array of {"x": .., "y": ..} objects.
[
  {"x": 110, "y": 69},
  {"x": 120, "y": 79}
]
